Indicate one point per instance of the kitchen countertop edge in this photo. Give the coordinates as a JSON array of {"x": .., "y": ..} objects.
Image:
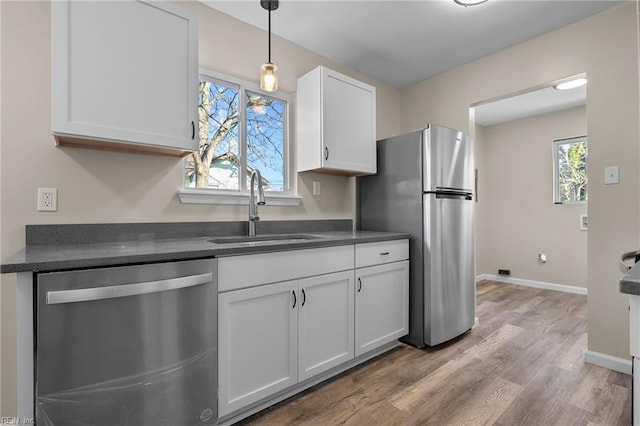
[
  {"x": 630, "y": 282},
  {"x": 83, "y": 256}
]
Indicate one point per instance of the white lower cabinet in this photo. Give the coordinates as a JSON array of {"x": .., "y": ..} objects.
[
  {"x": 275, "y": 335},
  {"x": 634, "y": 346},
  {"x": 635, "y": 413},
  {"x": 326, "y": 323},
  {"x": 382, "y": 305},
  {"x": 258, "y": 344},
  {"x": 285, "y": 317}
]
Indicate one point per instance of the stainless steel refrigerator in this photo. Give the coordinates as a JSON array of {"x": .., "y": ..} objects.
[{"x": 424, "y": 186}]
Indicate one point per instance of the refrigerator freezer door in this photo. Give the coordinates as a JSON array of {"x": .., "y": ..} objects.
[
  {"x": 449, "y": 277},
  {"x": 448, "y": 159}
]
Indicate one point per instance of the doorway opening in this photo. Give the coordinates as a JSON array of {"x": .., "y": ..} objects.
[{"x": 531, "y": 154}]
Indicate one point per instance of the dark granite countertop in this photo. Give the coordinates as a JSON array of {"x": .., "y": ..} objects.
[
  {"x": 630, "y": 282},
  {"x": 52, "y": 257}
]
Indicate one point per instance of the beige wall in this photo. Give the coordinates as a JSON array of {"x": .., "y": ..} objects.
[
  {"x": 97, "y": 187},
  {"x": 605, "y": 47},
  {"x": 518, "y": 218}
]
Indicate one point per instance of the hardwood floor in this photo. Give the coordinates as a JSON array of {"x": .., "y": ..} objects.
[{"x": 522, "y": 365}]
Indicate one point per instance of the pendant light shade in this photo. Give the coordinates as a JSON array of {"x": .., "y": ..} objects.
[
  {"x": 269, "y": 71},
  {"x": 269, "y": 77}
]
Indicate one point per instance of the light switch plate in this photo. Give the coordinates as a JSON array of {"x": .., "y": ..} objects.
[{"x": 611, "y": 175}]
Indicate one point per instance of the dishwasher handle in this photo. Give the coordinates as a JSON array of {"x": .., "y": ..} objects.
[{"x": 125, "y": 290}]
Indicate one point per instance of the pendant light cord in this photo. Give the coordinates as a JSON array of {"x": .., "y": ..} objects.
[{"x": 269, "y": 34}]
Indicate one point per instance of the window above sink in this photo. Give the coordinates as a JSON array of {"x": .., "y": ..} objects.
[{"x": 241, "y": 129}]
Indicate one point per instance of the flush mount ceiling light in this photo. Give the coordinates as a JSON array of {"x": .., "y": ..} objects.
[
  {"x": 571, "y": 84},
  {"x": 466, "y": 3},
  {"x": 269, "y": 71}
]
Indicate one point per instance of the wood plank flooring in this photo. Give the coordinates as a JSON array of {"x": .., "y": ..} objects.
[{"x": 522, "y": 365}]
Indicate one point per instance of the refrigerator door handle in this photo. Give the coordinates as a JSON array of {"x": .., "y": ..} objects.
[{"x": 452, "y": 194}]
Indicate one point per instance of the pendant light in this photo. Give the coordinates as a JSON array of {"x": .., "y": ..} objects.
[{"x": 269, "y": 71}]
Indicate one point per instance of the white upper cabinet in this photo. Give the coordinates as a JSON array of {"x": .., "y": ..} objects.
[
  {"x": 336, "y": 124},
  {"x": 124, "y": 76}
]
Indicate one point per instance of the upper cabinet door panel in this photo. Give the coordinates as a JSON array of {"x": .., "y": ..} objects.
[
  {"x": 124, "y": 71},
  {"x": 336, "y": 127},
  {"x": 348, "y": 125}
]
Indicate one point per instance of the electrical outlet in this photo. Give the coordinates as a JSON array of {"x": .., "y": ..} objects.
[
  {"x": 317, "y": 188},
  {"x": 47, "y": 199}
]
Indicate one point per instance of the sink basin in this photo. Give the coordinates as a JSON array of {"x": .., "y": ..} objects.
[{"x": 265, "y": 239}]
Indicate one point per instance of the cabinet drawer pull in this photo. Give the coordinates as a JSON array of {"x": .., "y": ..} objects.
[
  {"x": 359, "y": 284},
  {"x": 386, "y": 253},
  {"x": 294, "y": 298},
  {"x": 304, "y": 298},
  {"x": 193, "y": 130},
  {"x": 326, "y": 153}
]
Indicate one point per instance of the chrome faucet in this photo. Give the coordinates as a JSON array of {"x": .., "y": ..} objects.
[{"x": 253, "y": 203}]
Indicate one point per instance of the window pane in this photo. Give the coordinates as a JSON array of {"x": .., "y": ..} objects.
[
  {"x": 216, "y": 164},
  {"x": 571, "y": 171},
  {"x": 266, "y": 139}
]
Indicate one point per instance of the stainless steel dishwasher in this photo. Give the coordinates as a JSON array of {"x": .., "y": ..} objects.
[{"x": 131, "y": 345}]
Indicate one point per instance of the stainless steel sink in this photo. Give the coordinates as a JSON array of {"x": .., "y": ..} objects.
[{"x": 265, "y": 239}]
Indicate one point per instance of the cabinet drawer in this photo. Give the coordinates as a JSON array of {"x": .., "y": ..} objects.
[
  {"x": 256, "y": 269},
  {"x": 383, "y": 252}
]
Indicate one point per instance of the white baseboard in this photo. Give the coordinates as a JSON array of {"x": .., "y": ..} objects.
[
  {"x": 531, "y": 283},
  {"x": 607, "y": 361}
]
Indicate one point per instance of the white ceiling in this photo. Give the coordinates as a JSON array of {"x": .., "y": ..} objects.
[
  {"x": 529, "y": 104},
  {"x": 404, "y": 42}
]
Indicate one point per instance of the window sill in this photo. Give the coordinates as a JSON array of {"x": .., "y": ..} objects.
[{"x": 194, "y": 196}]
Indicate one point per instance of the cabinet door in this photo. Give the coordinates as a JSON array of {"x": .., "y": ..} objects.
[
  {"x": 348, "y": 124},
  {"x": 382, "y": 305},
  {"x": 326, "y": 323},
  {"x": 258, "y": 341},
  {"x": 124, "y": 72},
  {"x": 635, "y": 414}
]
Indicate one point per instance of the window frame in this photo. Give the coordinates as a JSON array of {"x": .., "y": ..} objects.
[
  {"x": 287, "y": 197},
  {"x": 556, "y": 172}
]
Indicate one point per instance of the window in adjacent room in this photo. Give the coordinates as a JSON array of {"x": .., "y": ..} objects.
[
  {"x": 240, "y": 129},
  {"x": 570, "y": 170}
]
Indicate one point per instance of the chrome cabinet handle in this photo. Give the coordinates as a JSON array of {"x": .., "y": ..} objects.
[
  {"x": 193, "y": 130},
  {"x": 304, "y": 298},
  {"x": 359, "y": 284},
  {"x": 326, "y": 153},
  {"x": 386, "y": 253},
  {"x": 294, "y": 299},
  {"x": 125, "y": 290}
]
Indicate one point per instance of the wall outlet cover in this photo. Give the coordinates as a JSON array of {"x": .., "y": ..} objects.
[
  {"x": 611, "y": 175},
  {"x": 47, "y": 199}
]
